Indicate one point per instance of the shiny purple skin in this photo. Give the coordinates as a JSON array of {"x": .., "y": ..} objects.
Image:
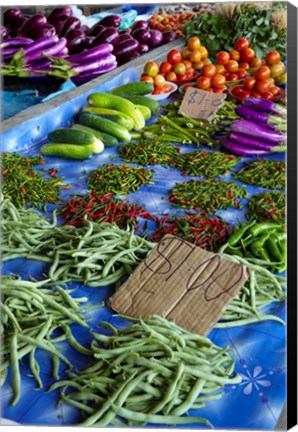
[
  {"x": 89, "y": 41},
  {"x": 127, "y": 57},
  {"x": 108, "y": 35},
  {"x": 261, "y": 105},
  {"x": 92, "y": 65},
  {"x": 143, "y": 48},
  {"x": 40, "y": 32},
  {"x": 241, "y": 150},
  {"x": 141, "y": 35},
  {"x": 41, "y": 44},
  {"x": 49, "y": 51},
  {"x": 156, "y": 38},
  {"x": 11, "y": 15},
  {"x": 96, "y": 29},
  {"x": 125, "y": 37},
  {"x": 72, "y": 23},
  {"x": 59, "y": 13},
  {"x": 126, "y": 47},
  {"x": 247, "y": 141},
  {"x": 32, "y": 23},
  {"x": 91, "y": 54},
  {"x": 59, "y": 24},
  {"x": 168, "y": 36},
  {"x": 3, "y": 32},
  {"x": 76, "y": 41},
  {"x": 88, "y": 76},
  {"x": 111, "y": 21},
  {"x": 16, "y": 42},
  {"x": 141, "y": 24},
  {"x": 256, "y": 130}
]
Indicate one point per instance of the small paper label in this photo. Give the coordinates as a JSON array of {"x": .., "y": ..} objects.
[
  {"x": 181, "y": 282},
  {"x": 200, "y": 104}
]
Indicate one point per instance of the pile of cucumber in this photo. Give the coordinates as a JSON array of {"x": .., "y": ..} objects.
[{"x": 107, "y": 119}]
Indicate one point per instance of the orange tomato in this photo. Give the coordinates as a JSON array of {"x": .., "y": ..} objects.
[
  {"x": 272, "y": 58},
  {"x": 235, "y": 55},
  {"x": 185, "y": 53},
  {"x": 198, "y": 65},
  {"x": 262, "y": 72},
  {"x": 249, "y": 83},
  {"x": 207, "y": 61},
  {"x": 195, "y": 56},
  {"x": 151, "y": 68},
  {"x": 256, "y": 62},
  {"x": 244, "y": 65},
  {"x": 189, "y": 73},
  {"x": 203, "y": 82},
  {"x": 222, "y": 57},
  {"x": 158, "y": 90},
  {"x": 262, "y": 86},
  {"x": 204, "y": 52},
  {"x": 165, "y": 67},
  {"x": 247, "y": 55},
  {"x": 159, "y": 80},
  {"x": 147, "y": 78},
  {"x": 241, "y": 73},
  {"x": 241, "y": 44},
  {"x": 232, "y": 66},
  {"x": 167, "y": 88},
  {"x": 208, "y": 70},
  {"x": 218, "y": 80},
  {"x": 171, "y": 76},
  {"x": 180, "y": 69},
  {"x": 187, "y": 63},
  {"x": 193, "y": 43},
  {"x": 220, "y": 69}
]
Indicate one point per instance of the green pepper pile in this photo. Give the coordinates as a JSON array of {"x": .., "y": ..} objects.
[{"x": 262, "y": 243}]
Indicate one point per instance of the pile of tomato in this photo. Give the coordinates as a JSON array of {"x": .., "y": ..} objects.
[{"x": 174, "y": 22}]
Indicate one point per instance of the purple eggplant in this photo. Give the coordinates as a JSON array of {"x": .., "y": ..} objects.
[
  {"x": 127, "y": 57},
  {"x": 59, "y": 24},
  {"x": 108, "y": 35},
  {"x": 156, "y": 38},
  {"x": 85, "y": 77},
  {"x": 32, "y": 23},
  {"x": 41, "y": 44},
  {"x": 16, "y": 42},
  {"x": 126, "y": 47},
  {"x": 72, "y": 23},
  {"x": 39, "y": 65},
  {"x": 49, "y": 51},
  {"x": 269, "y": 120},
  {"x": 141, "y": 24},
  {"x": 255, "y": 130},
  {"x": 11, "y": 15},
  {"x": 141, "y": 35},
  {"x": 261, "y": 105},
  {"x": 168, "y": 36},
  {"x": 241, "y": 150},
  {"x": 247, "y": 141},
  {"x": 143, "y": 48},
  {"x": 59, "y": 13},
  {"x": 125, "y": 37},
  {"x": 94, "y": 65},
  {"x": 111, "y": 21},
  {"x": 3, "y": 32},
  {"x": 76, "y": 41},
  {"x": 9, "y": 52},
  {"x": 89, "y": 41},
  {"x": 92, "y": 54},
  {"x": 42, "y": 32},
  {"x": 96, "y": 29}
]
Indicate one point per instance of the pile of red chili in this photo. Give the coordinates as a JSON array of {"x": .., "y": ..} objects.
[
  {"x": 207, "y": 232},
  {"x": 102, "y": 208}
]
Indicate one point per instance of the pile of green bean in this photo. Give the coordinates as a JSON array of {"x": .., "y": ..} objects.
[
  {"x": 31, "y": 312},
  {"x": 260, "y": 290},
  {"x": 151, "y": 372}
]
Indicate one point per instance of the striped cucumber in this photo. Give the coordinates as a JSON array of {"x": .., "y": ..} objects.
[
  {"x": 71, "y": 136},
  {"x": 116, "y": 116},
  {"x": 68, "y": 151},
  {"x": 145, "y": 111},
  {"x": 107, "y": 139},
  {"x": 104, "y": 100},
  {"x": 97, "y": 122}
]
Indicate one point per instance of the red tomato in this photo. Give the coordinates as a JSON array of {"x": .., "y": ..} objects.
[
  {"x": 235, "y": 55},
  {"x": 220, "y": 69},
  {"x": 241, "y": 44},
  {"x": 231, "y": 77},
  {"x": 167, "y": 88},
  {"x": 203, "y": 83},
  {"x": 249, "y": 83},
  {"x": 262, "y": 72},
  {"x": 262, "y": 86},
  {"x": 193, "y": 43},
  {"x": 256, "y": 62},
  {"x": 218, "y": 80},
  {"x": 195, "y": 56},
  {"x": 189, "y": 73},
  {"x": 255, "y": 94},
  {"x": 159, "y": 80},
  {"x": 158, "y": 90},
  {"x": 222, "y": 57},
  {"x": 208, "y": 70},
  {"x": 275, "y": 90},
  {"x": 268, "y": 95},
  {"x": 247, "y": 55},
  {"x": 180, "y": 69},
  {"x": 165, "y": 67},
  {"x": 241, "y": 73},
  {"x": 185, "y": 53},
  {"x": 151, "y": 68},
  {"x": 272, "y": 58},
  {"x": 277, "y": 69},
  {"x": 245, "y": 94},
  {"x": 182, "y": 77},
  {"x": 174, "y": 56},
  {"x": 237, "y": 90},
  {"x": 147, "y": 78},
  {"x": 244, "y": 65},
  {"x": 232, "y": 66},
  {"x": 171, "y": 76},
  {"x": 220, "y": 89},
  {"x": 187, "y": 63},
  {"x": 198, "y": 65}
]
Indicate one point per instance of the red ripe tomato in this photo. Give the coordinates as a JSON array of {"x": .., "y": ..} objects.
[
  {"x": 218, "y": 80},
  {"x": 247, "y": 55},
  {"x": 231, "y": 77},
  {"x": 182, "y": 77},
  {"x": 189, "y": 73},
  {"x": 262, "y": 86},
  {"x": 167, "y": 88},
  {"x": 165, "y": 67},
  {"x": 171, "y": 76},
  {"x": 245, "y": 94},
  {"x": 235, "y": 55},
  {"x": 275, "y": 90},
  {"x": 208, "y": 70},
  {"x": 187, "y": 63},
  {"x": 158, "y": 90},
  {"x": 232, "y": 66},
  {"x": 249, "y": 83},
  {"x": 241, "y": 73},
  {"x": 255, "y": 94},
  {"x": 237, "y": 90},
  {"x": 180, "y": 69},
  {"x": 220, "y": 89},
  {"x": 262, "y": 72},
  {"x": 147, "y": 78},
  {"x": 273, "y": 57},
  {"x": 268, "y": 95},
  {"x": 195, "y": 56},
  {"x": 174, "y": 56},
  {"x": 241, "y": 44},
  {"x": 222, "y": 57},
  {"x": 203, "y": 83},
  {"x": 256, "y": 62}
]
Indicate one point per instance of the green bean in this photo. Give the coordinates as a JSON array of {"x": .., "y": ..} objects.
[
  {"x": 16, "y": 376},
  {"x": 35, "y": 368}
]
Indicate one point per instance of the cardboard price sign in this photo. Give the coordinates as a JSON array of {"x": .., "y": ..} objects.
[
  {"x": 181, "y": 282},
  {"x": 199, "y": 104}
]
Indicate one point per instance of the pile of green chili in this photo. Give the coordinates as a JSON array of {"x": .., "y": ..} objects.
[
  {"x": 32, "y": 312},
  {"x": 151, "y": 372},
  {"x": 23, "y": 185},
  {"x": 203, "y": 163},
  {"x": 118, "y": 179},
  {"x": 264, "y": 172},
  {"x": 267, "y": 206},
  {"x": 209, "y": 195},
  {"x": 149, "y": 152}
]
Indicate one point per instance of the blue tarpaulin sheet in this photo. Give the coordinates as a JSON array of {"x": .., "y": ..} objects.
[{"x": 259, "y": 349}]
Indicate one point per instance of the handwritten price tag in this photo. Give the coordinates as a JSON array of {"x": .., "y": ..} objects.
[
  {"x": 199, "y": 104},
  {"x": 181, "y": 282}
]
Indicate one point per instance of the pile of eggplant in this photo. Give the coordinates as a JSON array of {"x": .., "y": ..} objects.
[
  {"x": 31, "y": 45},
  {"x": 259, "y": 131}
]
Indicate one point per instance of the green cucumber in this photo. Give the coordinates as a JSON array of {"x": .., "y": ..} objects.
[
  {"x": 152, "y": 104},
  {"x": 98, "y": 122},
  {"x": 70, "y": 136},
  {"x": 116, "y": 116},
  {"x": 145, "y": 111},
  {"x": 137, "y": 88},
  {"x": 68, "y": 151},
  {"x": 105, "y": 100},
  {"x": 107, "y": 139}
]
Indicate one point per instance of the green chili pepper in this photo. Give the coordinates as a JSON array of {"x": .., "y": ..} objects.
[
  {"x": 262, "y": 227},
  {"x": 257, "y": 248},
  {"x": 273, "y": 249},
  {"x": 235, "y": 238}
]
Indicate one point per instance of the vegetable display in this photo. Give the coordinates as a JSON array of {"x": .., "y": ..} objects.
[
  {"x": 167, "y": 372},
  {"x": 149, "y": 152},
  {"x": 264, "y": 172},
  {"x": 209, "y": 195},
  {"x": 267, "y": 206}
]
